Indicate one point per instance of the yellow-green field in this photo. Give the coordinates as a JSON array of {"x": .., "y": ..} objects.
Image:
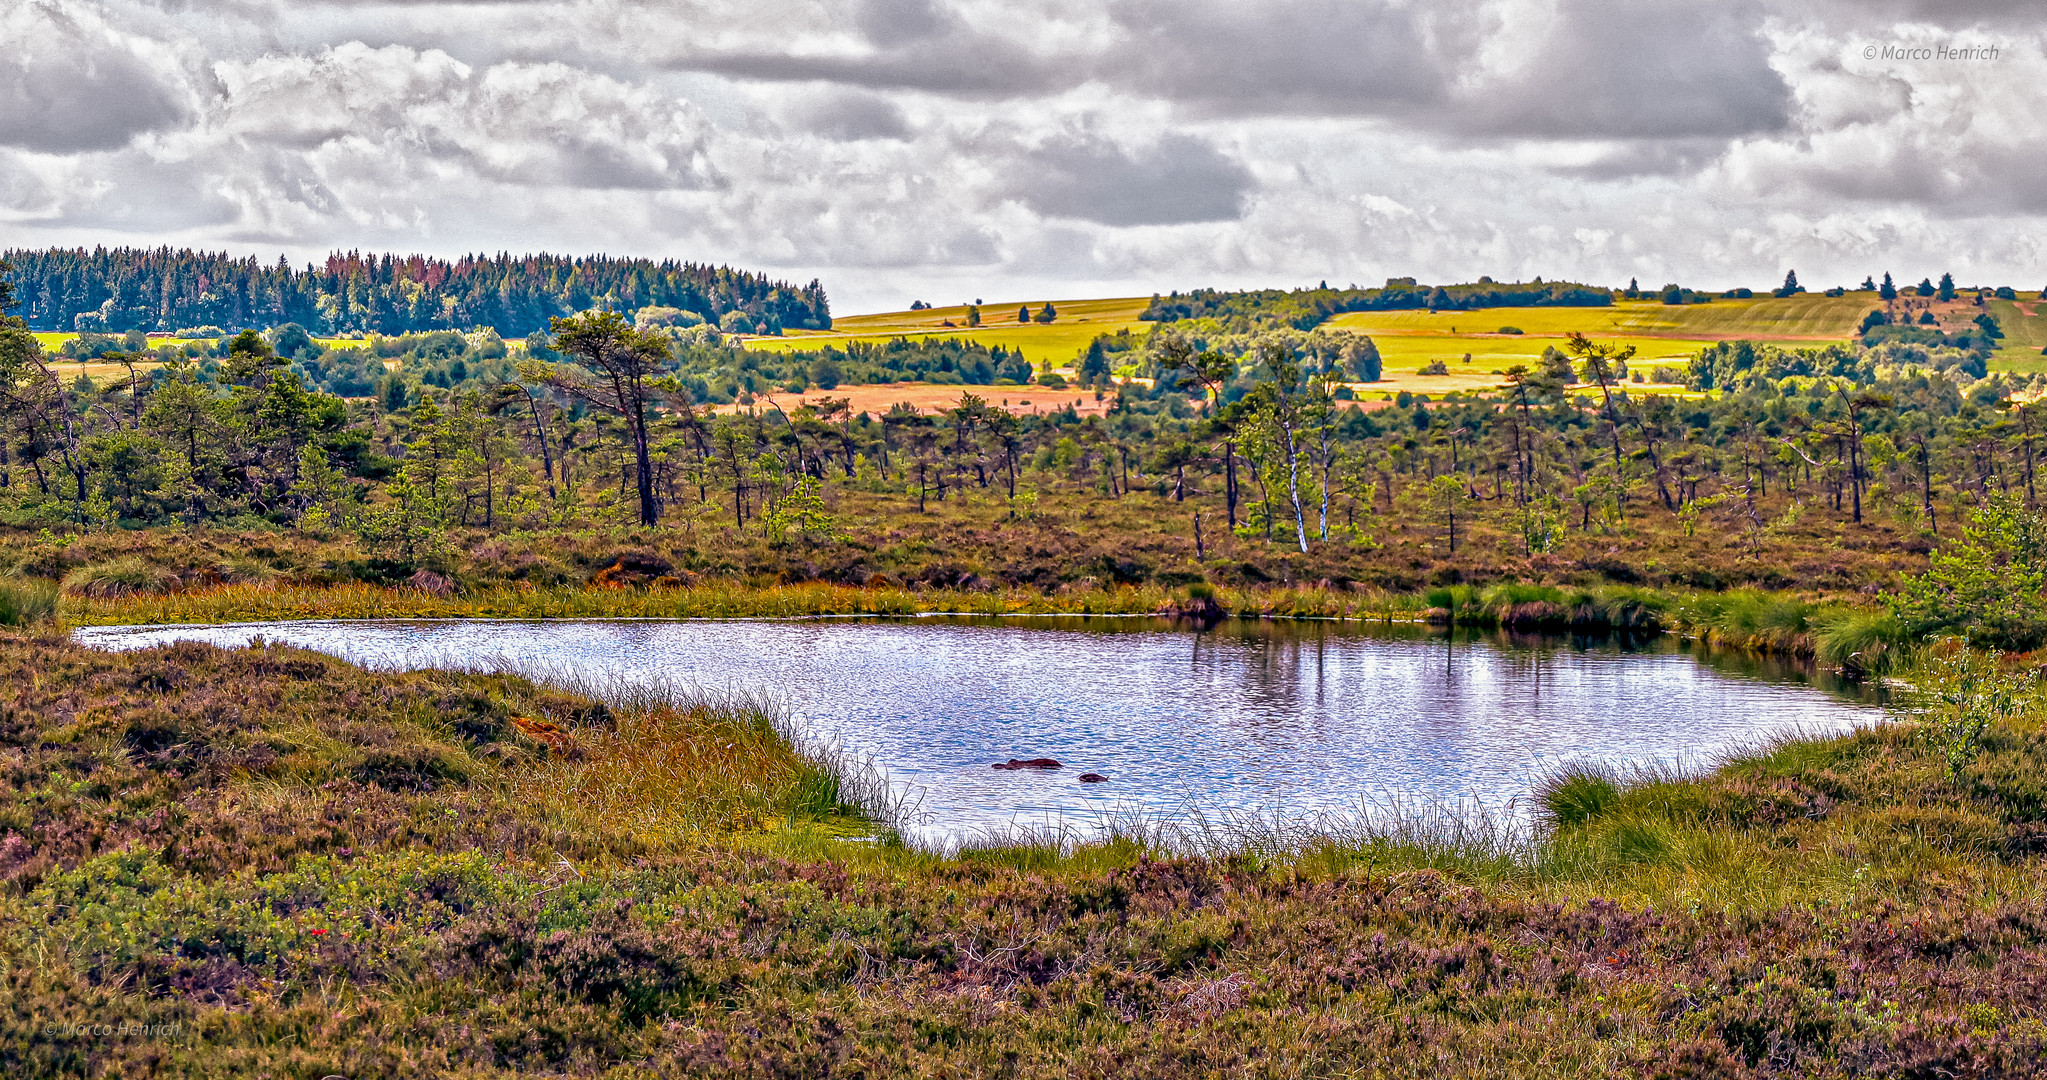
[
  {"x": 1498, "y": 352},
  {"x": 1408, "y": 341},
  {"x": 1799, "y": 318},
  {"x": 1079, "y": 321},
  {"x": 51, "y": 341}
]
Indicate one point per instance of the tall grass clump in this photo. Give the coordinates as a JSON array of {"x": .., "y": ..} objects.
[
  {"x": 1459, "y": 839},
  {"x": 1860, "y": 641},
  {"x": 1522, "y": 606},
  {"x": 678, "y": 762},
  {"x": 123, "y": 577},
  {"x": 26, "y": 602},
  {"x": 1748, "y": 619},
  {"x": 1575, "y": 795},
  {"x": 1621, "y": 607}
]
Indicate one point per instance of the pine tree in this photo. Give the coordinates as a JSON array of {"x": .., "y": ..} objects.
[
  {"x": 1094, "y": 366},
  {"x": 1947, "y": 287},
  {"x": 1887, "y": 290}
]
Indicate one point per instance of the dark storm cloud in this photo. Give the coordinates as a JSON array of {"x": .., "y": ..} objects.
[
  {"x": 66, "y": 86},
  {"x": 887, "y": 22},
  {"x": 1179, "y": 179},
  {"x": 1949, "y": 13},
  {"x": 1577, "y": 69}
]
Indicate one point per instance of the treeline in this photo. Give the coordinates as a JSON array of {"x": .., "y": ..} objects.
[
  {"x": 110, "y": 290},
  {"x": 945, "y": 361},
  {"x": 1305, "y": 309}
]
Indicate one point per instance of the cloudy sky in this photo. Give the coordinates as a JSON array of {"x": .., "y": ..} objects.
[{"x": 950, "y": 149}]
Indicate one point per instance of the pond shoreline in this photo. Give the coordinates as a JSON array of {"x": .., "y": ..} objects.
[
  {"x": 1856, "y": 640},
  {"x": 1292, "y": 719}
]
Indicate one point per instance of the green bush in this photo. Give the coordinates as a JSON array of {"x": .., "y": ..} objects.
[{"x": 1988, "y": 584}]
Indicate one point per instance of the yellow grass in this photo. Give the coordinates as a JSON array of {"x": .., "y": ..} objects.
[
  {"x": 1060, "y": 342},
  {"x": 1799, "y": 318},
  {"x": 1110, "y": 309},
  {"x": 1407, "y": 353},
  {"x": 261, "y": 603},
  {"x": 1661, "y": 333},
  {"x": 673, "y": 767},
  {"x": 51, "y": 341}
]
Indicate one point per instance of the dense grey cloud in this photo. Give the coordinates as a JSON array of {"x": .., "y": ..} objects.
[
  {"x": 902, "y": 148},
  {"x": 1621, "y": 69},
  {"x": 1177, "y": 180},
  {"x": 1320, "y": 57},
  {"x": 68, "y": 82},
  {"x": 848, "y": 115}
]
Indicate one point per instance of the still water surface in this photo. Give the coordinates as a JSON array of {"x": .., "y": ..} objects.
[{"x": 1272, "y": 719}]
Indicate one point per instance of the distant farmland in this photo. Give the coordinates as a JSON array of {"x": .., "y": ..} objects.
[
  {"x": 1079, "y": 321},
  {"x": 1664, "y": 335}
]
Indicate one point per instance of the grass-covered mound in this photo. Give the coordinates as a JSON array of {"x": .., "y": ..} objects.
[{"x": 267, "y": 862}]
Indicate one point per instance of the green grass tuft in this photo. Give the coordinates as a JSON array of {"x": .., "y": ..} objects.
[
  {"x": 27, "y": 602},
  {"x": 1865, "y": 642},
  {"x": 1576, "y": 795},
  {"x": 128, "y": 576}
]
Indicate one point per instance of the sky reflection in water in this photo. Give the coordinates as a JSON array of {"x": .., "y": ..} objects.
[{"x": 1251, "y": 718}]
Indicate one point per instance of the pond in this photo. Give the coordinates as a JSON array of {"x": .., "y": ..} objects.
[{"x": 1278, "y": 720}]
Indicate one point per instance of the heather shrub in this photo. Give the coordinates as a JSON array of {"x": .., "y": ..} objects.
[{"x": 267, "y": 862}]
